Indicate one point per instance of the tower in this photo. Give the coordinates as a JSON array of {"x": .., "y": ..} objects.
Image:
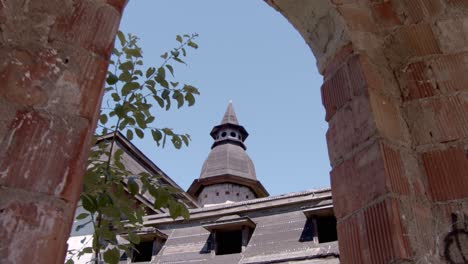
[{"x": 228, "y": 174}]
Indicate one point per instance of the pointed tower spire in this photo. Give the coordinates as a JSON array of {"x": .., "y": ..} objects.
[
  {"x": 228, "y": 174},
  {"x": 230, "y": 116}
]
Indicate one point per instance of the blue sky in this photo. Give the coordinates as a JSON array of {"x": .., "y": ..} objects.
[{"x": 251, "y": 55}]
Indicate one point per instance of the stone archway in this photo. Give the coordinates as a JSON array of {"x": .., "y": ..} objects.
[{"x": 394, "y": 92}]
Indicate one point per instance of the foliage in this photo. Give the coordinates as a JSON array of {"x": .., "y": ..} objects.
[{"x": 132, "y": 94}]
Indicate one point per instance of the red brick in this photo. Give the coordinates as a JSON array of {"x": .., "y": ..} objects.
[
  {"x": 351, "y": 126},
  {"x": 376, "y": 169},
  {"x": 44, "y": 155},
  {"x": 416, "y": 83},
  {"x": 357, "y": 18},
  {"x": 92, "y": 25},
  {"x": 418, "y": 10},
  {"x": 384, "y": 13},
  {"x": 340, "y": 57},
  {"x": 32, "y": 228},
  {"x": 351, "y": 241},
  {"x": 396, "y": 178},
  {"x": 450, "y": 72},
  {"x": 373, "y": 235},
  {"x": 384, "y": 232},
  {"x": 447, "y": 173},
  {"x": 457, "y": 4},
  {"x": 335, "y": 92},
  {"x": 411, "y": 41},
  {"x": 388, "y": 117},
  {"x": 438, "y": 119}
]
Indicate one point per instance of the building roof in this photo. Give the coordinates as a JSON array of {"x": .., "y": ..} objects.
[
  {"x": 278, "y": 224},
  {"x": 230, "y": 116}
]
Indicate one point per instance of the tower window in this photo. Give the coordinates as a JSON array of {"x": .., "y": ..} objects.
[
  {"x": 223, "y": 134},
  {"x": 217, "y": 193},
  {"x": 237, "y": 194},
  {"x": 227, "y": 192},
  {"x": 233, "y": 134}
]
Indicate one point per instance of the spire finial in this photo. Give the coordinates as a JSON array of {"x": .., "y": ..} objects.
[{"x": 230, "y": 116}]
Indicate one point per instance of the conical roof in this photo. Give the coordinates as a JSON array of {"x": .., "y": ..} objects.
[
  {"x": 230, "y": 116},
  {"x": 228, "y": 160}
]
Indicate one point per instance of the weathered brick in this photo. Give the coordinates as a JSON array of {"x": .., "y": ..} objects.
[
  {"x": 411, "y": 41},
  {"x": 373, "y": 235},
  {"x": 43, "y": 154},
  {"x": 357, "y": 18},
  {"x": 416, "y": 82},
  {"x": 438, "y": 119},
  {"x": 340, "y": 57},
  {"x": 384, "y": 232},
  {"x": 449, "y": 72},
  {"x": 385, "y": 14},
  {"x": 447, "y": 173},
  {"x": 376, "y": 169},
  {"x": 396, "y": 178},
  {"x": 351, "y": 240},
  {"x": 33, "y": 223},
  {"x": 387, "y": 117},
  {"x": 335, "y": 92},
  {"x": 453, "y": 34},
  {"x": 418, "y": 10},
  {"x": 92, "y": 26},
  {"x": 351, "y": 126}
]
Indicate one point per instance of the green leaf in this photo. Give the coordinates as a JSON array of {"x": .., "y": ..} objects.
[
  {"x": 89, "y": 203},
  {"x": 150, "y": 71},
  {"x": 115, "y": 97},
  {"x": 111, "y": 79},
  {"x": 174, "y": 84},
  {"x": 161, "y": 73},
  {"x": 125, "y": 76},
  {"x": 129, "y": 134},
  {"x": 190, "y": 99},
  {"x": 179, "y": 60},
  {"x": 178, "y": 96},
  {"x": 112, "y": 256},
  {"x": 82, "y": 216},
  {"x": 134, "y": 52},
  {"x": 139, "y": 132},
  {"x": 132, "y": 186},
  {"x": 176, "y": 141},
  {"x": 132, "y": 237},
  {"x": 128, "y": 87},
  {"x": 179, "y": 38},
  {"x": 185, "y": 139},
  {"x": 87, "y": 250},
  {"x": 159, "y": 100},
  {"x": 126, "y": 66},
  {"x": 169, "y": 67},
  {"x": 103, "y": 119},
  {"x": 121, "y": 37},
  {"x": 70, "y": 261},
  {"x": 165, "y": 55},
  {"x": 168, "y": 131},
  {"x": 190, "y": 89},
  {"x": 192, "y": 44},
  {"x": 157, "y": 135}
]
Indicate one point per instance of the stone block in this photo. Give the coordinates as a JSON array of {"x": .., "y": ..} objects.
[{"x": 453, "y": 34}]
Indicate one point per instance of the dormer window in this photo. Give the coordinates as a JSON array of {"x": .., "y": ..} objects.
[
  {"x": 229, "y": 235},
  {"x": 320, "y": 226},
  {"x": 151, "y": 242}
]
